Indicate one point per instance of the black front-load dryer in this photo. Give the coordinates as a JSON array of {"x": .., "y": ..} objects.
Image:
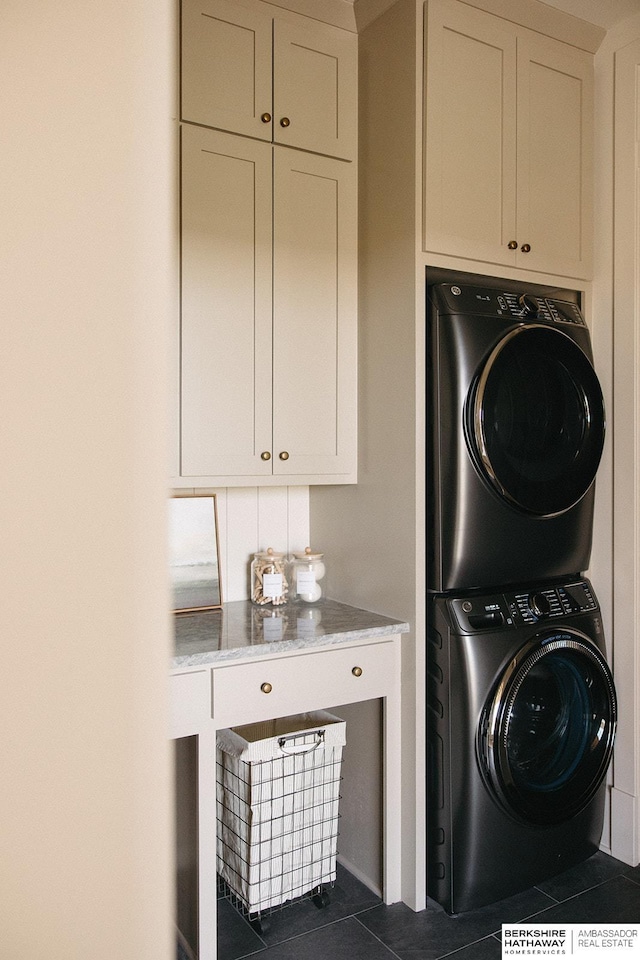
[
  {"x": 515, "y": 432},
  {"x": 521, "y": 723}
]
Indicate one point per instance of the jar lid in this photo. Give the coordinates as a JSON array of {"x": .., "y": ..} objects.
[
  {"x": 308, "y": 555},
  {"x": 269, "y": 554}
]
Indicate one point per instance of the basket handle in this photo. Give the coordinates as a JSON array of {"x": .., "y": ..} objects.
[{"x": 301, "y": 748}]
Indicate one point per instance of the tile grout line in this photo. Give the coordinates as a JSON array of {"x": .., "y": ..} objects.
[
  {"x": 471, "y": 943},
  {"x": 304, "y": 933},
  {"x": 580, "y": 893},
  {"x": 494, "y": 935},
  {"x": 385, "y": 945}
]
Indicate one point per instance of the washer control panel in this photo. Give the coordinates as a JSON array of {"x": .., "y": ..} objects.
[
  {"x": 556, "y": 601},
  {"x": 490, "y": 301},
  {"x": 531, "y": 605}
]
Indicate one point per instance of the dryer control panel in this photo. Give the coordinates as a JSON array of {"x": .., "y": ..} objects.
[
  {"x": 489, "y": 301},
  {"x": 530, "y": 307},
  {"x": 530, "y": 605}
]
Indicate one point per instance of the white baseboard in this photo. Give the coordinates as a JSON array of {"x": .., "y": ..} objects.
[
  {"x": 624, "y": 832},
  {"x": 354, "y": 871}
]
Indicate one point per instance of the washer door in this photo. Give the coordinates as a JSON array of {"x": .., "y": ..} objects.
[
  {"x": 537, "y": 420},
  {"x": 547, "y": 731}
]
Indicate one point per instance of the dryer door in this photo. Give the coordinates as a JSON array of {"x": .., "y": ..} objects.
[
  {"x": 537, "y": 420},
  {"x": 547, "y": 731}
]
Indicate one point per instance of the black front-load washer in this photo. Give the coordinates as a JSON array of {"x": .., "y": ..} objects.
[
  {"x": 521, "y": 723},
  {"x": 515, "y": 432}
]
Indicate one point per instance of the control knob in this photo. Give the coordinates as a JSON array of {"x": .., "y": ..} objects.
[
  {"x": 529, "y": 305},
  {"x": 539, "y": 605}
]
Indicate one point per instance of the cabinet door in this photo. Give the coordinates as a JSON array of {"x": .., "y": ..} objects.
[
  {"x": 226, "y": 305},
  {"x": 226, "y": 66},
  {"x": 555, "y": 130},
  {"x": 315, "y": 88},
  {"x": 470, "y": 128},
  {"x": 314, "y": 387}
]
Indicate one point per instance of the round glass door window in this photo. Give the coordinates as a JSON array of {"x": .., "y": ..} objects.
[
  {"x": 547, "y": 731},
  {"x": 537, "y": 420}
]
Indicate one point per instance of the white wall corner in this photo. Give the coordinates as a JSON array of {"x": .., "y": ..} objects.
[{"x": 626, "y": 461}]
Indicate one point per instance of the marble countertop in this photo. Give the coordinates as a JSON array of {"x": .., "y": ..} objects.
[{"x": 241, "y": 630}]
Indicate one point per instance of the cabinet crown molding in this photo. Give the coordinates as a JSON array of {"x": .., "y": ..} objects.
[
  {"x": 338, "y": 13},
  {"x": 547, "y": 20},
  {"x": 533, "y": 14}
]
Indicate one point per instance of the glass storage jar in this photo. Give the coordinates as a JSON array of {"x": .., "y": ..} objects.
[
  {"x": 268, "y": 578},
  {"x": 306, "y": 570}
]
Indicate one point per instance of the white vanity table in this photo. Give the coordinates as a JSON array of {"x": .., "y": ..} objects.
[{"x": 243, "y": 663}]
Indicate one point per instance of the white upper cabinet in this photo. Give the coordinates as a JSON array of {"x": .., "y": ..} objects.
[
  {"x": 269, "y": 333},
  {"x": 314, "y": 317},
  {"x": 226, "y": 66},
  {"x": 267, "y": 358},
  {"x": 226, "y": 339},
  {"x": 290, "y": 81},
  {"x": 508, "y": 143},
  {"x": 555, "y": 156},
  {"x": 470, "y": 155}
]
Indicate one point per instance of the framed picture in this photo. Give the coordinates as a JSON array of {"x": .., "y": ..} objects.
[{"x": 194, "y": 553}]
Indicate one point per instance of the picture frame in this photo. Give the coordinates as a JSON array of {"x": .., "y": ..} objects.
[{"x": 194, "y": 553}]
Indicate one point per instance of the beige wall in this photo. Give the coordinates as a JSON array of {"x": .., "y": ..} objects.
[
  {"x": 373, "y": 532},
  {"x": 87, "y": 293}
]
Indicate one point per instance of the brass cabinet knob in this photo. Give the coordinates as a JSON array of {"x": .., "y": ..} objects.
[
  {"x": 526, "y": 247},
  {"x": 266, "y": 118},
  {"x": 265, "y": 455},
  {"x": 266, "y": 688},
  {"x": 285, "y": 122},
  {"x": 284, "y": 455},
  {"x": 513, "y": 245},
  {"x": 357, "y": 671}
]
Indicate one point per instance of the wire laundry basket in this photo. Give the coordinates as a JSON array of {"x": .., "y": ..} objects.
[{"x": 277, "y": 808}]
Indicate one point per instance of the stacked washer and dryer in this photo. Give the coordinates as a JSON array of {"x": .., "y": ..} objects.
[{"x": 521, "y": 702}]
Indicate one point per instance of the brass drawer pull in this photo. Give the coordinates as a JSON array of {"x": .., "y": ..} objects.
[
  {"x": 265, "y": 455},
  {"x": 357, "y": 671},
  {"x": 266, "y": 688},
  {"x": 526, "y": 247},
  {"x": 284, "y": 455},
  {"x": 285, "y": 122},
  {"x": 513, "y": 245},
  {"x": 266, "y": 118}
]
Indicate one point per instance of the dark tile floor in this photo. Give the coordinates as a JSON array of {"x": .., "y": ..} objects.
[{"x": 357, "y": 926}]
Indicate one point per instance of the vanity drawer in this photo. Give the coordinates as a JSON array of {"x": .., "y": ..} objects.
[
  {"x": 189, "y": 702},
  {"x": 245, "y": 693}
]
